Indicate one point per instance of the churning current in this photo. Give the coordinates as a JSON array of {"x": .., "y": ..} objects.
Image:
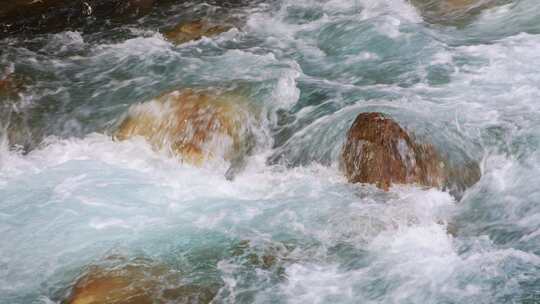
[{"x": 281, "y": 224}]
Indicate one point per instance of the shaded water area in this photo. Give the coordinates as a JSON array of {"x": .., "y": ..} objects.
[{"x": 288, "y": 228}]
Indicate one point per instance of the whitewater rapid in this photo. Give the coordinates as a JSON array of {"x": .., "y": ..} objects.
[{"x": 70, "y": 195}]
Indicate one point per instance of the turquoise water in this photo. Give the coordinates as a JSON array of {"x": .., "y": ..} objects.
[{"x": 71, "y": 196}]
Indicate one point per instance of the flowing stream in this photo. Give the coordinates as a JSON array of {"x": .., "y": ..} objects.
[{"x": 70, "y": 195}]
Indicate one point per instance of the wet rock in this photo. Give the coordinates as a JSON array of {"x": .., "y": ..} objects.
[
  {"x": 378, "y": 151},
  {"x": 14, "y": 7},
  {"x": 137, "y": 281},
  {"x": 453, "y": 12},
  {"x": 10, "y": 87},
  {"x": 195, "y": 125},
  {"x": 15, "y": 130},
  {"x": 460, "y": 177},
  {"x": 135, "y": 7},
  {"x": 47, "y": 16},
  {"x": 194, "y": 30}
]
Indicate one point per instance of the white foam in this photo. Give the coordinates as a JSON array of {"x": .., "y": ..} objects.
[
  {"x": 286, "y": 93},
  {"x": 69, "y": 201},
  {"x": 139, "y": 47}
]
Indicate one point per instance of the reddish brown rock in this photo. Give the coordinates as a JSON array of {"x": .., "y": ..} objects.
[
  {"x": 194, "y": 30},
  {"x": 378, "y": 151},
  {"x": 136, "y": 282},
  {"x": 195, "y": 125}
]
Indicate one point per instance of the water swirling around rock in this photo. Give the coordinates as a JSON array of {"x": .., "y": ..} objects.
[{"x": 289, "y": 228}]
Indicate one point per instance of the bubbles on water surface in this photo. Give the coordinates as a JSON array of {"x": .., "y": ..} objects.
[{"x": 289, "y": 230}]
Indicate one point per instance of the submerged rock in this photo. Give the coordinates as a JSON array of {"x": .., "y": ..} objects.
[
  {"x": 453, "y": 12},
  {"x": 378, "y": 151},
  {"x": 136, "y": 282},
  {"x": 15, "y": 120},
  {"x": 14, "y": 83},
  {"x": 269, "y": 257},
  {"x": 194, "y": 30},
  {"x": 195, "y": 125},
  {"x": 11, "y": 86}
]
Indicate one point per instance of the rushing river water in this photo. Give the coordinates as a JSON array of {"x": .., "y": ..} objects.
[{"x": 70, "y": 195}]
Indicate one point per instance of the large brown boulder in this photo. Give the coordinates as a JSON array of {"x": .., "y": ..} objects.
[
  {"x": 378, "y": 151},
  {"x": 195, "y": 125},
  {"x": 136, "y": 282},
  {"x": 194, "y": 30}
]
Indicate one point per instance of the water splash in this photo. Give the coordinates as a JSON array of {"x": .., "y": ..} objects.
[{"x": 288, "y": 229}]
